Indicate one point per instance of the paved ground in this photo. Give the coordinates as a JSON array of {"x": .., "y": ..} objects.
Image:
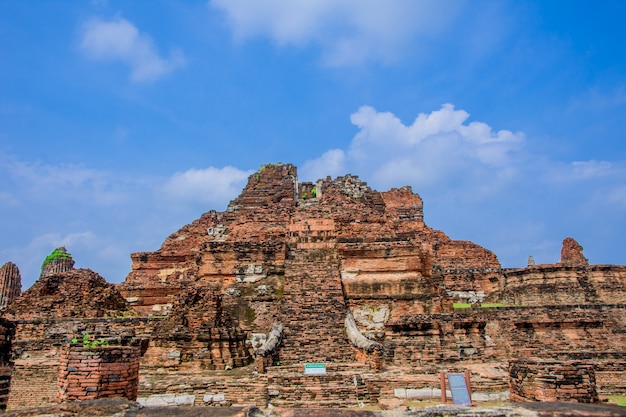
[{"x": 121, "y": 408}]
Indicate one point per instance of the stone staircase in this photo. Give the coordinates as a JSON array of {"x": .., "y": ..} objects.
[
  {"x": 313, "y": 310},
  {"x": 313, "y": 313}
]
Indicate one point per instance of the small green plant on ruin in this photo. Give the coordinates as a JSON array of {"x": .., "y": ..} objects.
[
  {"x": 305, "y": 196},
  {"x": 265, "y": 166},
  {"x": 313, "y": 192},
  {"x": 89, "y": 342},
  {"x": 56, "y": 254}
]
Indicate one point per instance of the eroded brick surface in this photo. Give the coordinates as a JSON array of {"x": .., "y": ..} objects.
[
  {"x": 10, "y": 284},
  {"x": 545, "y": 380},
  {"x": 201, "y": 304},
  {"x": 73, "y": 293},
  {"x": 102, "y": 372}
]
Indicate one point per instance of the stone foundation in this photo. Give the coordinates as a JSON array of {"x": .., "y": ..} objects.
[
  {"x": 549, "y": 380},
  {"x": 104, "y": 372}
]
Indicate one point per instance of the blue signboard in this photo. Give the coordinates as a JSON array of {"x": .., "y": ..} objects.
[{"x": 458, "y": 388}]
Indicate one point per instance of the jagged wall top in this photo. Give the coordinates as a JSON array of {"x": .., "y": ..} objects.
[
  {"x": 572, "y": 253},
  {"x": 273, "y": 184}
]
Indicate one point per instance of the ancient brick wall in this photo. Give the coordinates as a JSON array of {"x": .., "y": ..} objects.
[
  {"x": 273, "y": 184},
  {"x": 386, "y": 259},
  {"x": 381, "y": 237},
  {"x": 340, "y": 387},
  {"x": 401, "y": 204},
  {"x": 225, "y": 263},
  {"x": 34, "y": 383},
  {"x": 158, "y": 388},
  {"x": 560, "y": 284},
  {"x": 155, "y": 279},
  {"x": 10, "y": 284},
  {"x": 608, "y": 283},
  {"x": 7, "y": 330},
  {"x": 213, "y": 349},
  {"x": 199, "y": 332},
  {"x": 540, "y": 330},
  {"x": 247, "y": 242},
  {"x": 313, "y": 310},
  {"x": 74, "y": 293},
  {"x": 152, "y": 299},
  {"x": 313, "y": 233},
  {"x": 550, "y": 380},
  {"x": 595, "y": 333},
  {"x": 416, "y": 341},
  {"x": 48, "y": 334},
  {"x": 380, "y": 273},
  {"x": 103, "y": 372}
]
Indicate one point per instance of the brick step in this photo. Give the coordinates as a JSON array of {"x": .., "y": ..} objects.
[
  {"x": 347, "y": 403},
  {"x": 344, "y": 368},
  {"x": 318, "y": 391}
]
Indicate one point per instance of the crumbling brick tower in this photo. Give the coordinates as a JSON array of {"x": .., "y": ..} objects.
[
  {"x": 10, "y": 284},
  {"x": 58, "y": 261}
]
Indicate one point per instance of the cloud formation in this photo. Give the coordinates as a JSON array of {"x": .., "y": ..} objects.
[
  {"x": 101, "y": 216},
  {"x": 348, "y": 31},
  {"x": 120, "y": 40},
  {"x": 487, "y": 185},
  {"x": 439, "y": 146},
  {"x": 36, "y": 180},
  {"x": 331, "y": 163},
  {"x": 210, "y": 186}
]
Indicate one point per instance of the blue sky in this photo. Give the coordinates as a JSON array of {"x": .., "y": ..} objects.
[{"x": 122, "y": 121}]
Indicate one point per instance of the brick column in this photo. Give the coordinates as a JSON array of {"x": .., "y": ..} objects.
[{"x": 92, "y": 373}]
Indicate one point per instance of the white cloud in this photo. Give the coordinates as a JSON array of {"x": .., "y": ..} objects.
[
  {"x": 348, "y": 31},
  {"x": 28, "y": 258},
  {"x": 589, "y": 169},
  {"x": 580, "y": 170},
  {"x": 206, "y": 186},
  {"x": 120, "y": 40},
  {"x": 55, "y": 240},
  {"x": 331, "y": 163},
  {"x": 63, "y": 182},
  {"x": 436, "y": 146}
]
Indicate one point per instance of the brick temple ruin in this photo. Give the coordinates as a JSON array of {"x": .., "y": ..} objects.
[{"x": 233, "y": 305}]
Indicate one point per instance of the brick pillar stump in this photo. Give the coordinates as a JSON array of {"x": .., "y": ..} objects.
[
  {"x": 552, "y": 380},
  {"x": 103, "y": 372}
]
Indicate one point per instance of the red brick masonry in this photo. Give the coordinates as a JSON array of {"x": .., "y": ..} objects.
[
  {"x": 549, "y": 380},
  {"x": 88, "y": 374}
]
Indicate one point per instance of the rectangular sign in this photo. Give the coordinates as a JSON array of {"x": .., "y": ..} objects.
[
  {"x": 458, "y": 388},
  {"x": 314, "y": 369}
]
